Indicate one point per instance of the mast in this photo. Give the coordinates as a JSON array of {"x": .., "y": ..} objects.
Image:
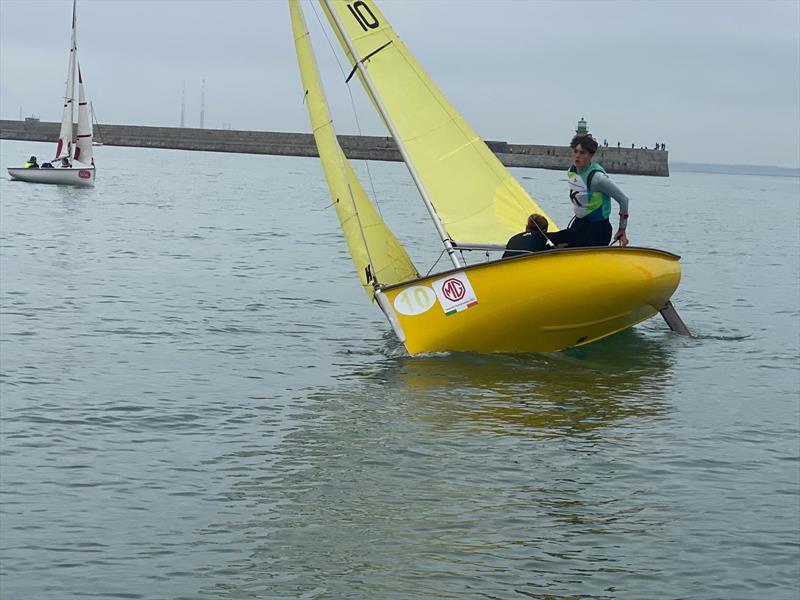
[
  {"x": 396, "y": 136},
  {"x": 203, "y": 105},
  {"x": 183, "y": 102},
  {"x": 64, "y": 148},
  {"x": 73, "y": 58}
]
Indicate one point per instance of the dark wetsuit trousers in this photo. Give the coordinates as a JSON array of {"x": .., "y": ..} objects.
[{"x": 582, "y": 233}]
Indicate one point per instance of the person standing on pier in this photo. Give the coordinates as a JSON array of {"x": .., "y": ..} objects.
[{"x": 590, "y": 192}]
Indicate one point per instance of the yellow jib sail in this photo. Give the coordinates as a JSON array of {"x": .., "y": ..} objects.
[
  {"x": 476, "y": 198},
  {"x": 370, "y": 241}
]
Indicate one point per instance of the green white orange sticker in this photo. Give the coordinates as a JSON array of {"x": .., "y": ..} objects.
[{"x": 454, "y": 293}]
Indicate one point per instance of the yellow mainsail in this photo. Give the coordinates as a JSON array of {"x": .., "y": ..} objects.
[
  {"x": 377, "y": 254},
  {"x": 474, "y": 195}
]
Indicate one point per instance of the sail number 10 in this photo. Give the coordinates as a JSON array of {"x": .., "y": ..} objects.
[
  {"x": 364, "y": 15},
  {"x": 415, "y": 300}
]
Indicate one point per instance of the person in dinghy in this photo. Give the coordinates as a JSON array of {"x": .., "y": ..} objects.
[
  {"x": 590, "y": 192},
  {"x": 533, "y": 239}
]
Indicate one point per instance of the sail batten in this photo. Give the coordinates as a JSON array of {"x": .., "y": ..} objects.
[
  {"x": 377, "y": 255},
  {"x": 475, "y": 197},
  {"x": 355, "y": 57}
]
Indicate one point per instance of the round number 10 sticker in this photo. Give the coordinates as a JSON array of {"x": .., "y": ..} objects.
[{"x": 414, "y": 300}]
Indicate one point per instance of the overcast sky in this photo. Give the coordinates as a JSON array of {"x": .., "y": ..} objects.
[{"x": 717, "y": 81}]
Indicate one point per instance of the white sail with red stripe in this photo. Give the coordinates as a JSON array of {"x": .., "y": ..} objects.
[
  {"x": 74, "y": 158},
  {"x": 64, "y": 147},
  {"x": 81, "y": 150},
  {"x": 83, "y": 145}
]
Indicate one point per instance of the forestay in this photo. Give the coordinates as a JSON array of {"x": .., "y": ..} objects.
[
  {"x": 376, "y": 252},
  {"x": 64, "y": 148},
  {"x": 474, "y": 195}
]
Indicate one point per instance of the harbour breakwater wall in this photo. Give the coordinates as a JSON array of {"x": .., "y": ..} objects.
[{"x": 632, "y": 161}]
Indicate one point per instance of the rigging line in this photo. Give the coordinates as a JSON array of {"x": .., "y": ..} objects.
[
  {"x": 433, "y": 266},
  {"x": 364, "y": 61},
  {"x": 352, "y": 106},
  {"x": 96, "y": 122},
  {"x": 370, "y": 274},
  {"x": 548, "y": 241},
  {"x": 379, "y": 104}
]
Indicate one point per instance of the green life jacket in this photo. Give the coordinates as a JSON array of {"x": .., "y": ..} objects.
[{"x": 594, "y": 206}]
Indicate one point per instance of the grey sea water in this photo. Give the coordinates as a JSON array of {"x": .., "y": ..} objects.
[{"x": 197, "y": 401}]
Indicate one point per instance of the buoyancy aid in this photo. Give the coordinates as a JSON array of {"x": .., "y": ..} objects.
[{"x": 593, "y": 206}]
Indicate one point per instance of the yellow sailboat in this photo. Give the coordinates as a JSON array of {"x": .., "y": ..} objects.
[{"x": 538, "y": 302}]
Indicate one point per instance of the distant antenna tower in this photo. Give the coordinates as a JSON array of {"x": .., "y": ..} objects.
[
  {"x": 183, "y": 103},
  {"x": 20, "y": 113},
  {"x": 203, "y": 105}
]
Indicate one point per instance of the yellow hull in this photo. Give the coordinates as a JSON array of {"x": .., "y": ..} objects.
[{"x": 540, "y": 302}]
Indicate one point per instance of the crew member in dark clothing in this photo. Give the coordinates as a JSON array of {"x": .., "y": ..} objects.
[
  {"x": 46, "y": 165},
  {"x": 533, "y": 239}
]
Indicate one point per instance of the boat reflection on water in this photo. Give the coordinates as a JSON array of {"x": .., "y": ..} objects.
[
  {"x": 624, "y": 376},
  {"x": 428, "y": 463}
]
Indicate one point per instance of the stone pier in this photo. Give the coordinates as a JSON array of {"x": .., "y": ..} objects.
[{"x": 633, "y": 161}]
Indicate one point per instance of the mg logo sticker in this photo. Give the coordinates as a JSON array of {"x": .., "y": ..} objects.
[
  {"x": 453, "y": 289},
  {"x": 455, "y": 293}
]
